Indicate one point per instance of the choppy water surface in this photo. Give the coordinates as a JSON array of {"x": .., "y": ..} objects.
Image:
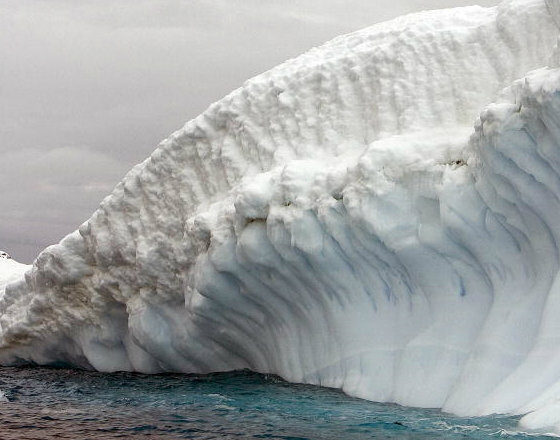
[{"x": 68, "y": 404}]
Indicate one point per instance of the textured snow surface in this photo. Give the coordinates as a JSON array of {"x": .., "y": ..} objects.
[{"x": 338, "y": 221}]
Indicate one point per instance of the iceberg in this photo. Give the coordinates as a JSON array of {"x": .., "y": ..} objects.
[{"x": 338, "y": 221}]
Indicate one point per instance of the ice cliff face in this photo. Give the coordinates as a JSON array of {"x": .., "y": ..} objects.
[{"x": 337, "y": 221}]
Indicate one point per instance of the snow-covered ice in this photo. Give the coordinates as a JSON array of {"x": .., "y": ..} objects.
[
  {"x": 338, "y": 221},
  {"x": 10, "y": 270}
]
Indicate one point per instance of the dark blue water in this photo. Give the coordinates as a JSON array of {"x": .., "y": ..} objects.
[{"x": 68, "y": 404}]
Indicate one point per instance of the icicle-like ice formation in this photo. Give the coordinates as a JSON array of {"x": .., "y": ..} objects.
[{"x": 335, "y": 221}]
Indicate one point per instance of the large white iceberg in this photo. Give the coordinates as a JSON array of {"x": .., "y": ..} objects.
[{"x": 337, "y": 221}]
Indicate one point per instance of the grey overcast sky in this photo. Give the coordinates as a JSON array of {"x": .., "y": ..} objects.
[{"x": 89, "y": 88}]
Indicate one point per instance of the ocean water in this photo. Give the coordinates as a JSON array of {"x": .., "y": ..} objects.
[{"x": 42, "y": 403}]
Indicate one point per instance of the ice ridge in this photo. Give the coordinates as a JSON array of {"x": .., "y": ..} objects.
[{"x": 338, "y": 221}]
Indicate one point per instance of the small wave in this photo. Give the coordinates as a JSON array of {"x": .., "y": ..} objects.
[{"x": 217, "y": 396}]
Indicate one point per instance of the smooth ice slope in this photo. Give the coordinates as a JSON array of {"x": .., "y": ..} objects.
[{"x": 337, "y": 221}]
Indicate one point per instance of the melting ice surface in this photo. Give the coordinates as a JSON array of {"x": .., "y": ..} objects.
[
  {"x": 338, "y": 221},
  {"x": 43, "y": 403}
]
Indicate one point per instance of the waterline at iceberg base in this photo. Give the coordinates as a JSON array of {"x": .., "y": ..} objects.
[
  {"x": 338, "y": 221},
  {"x": 46, "y": 403}
]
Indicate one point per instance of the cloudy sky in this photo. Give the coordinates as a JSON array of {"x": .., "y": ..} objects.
[{"x": 89, "y": 88}]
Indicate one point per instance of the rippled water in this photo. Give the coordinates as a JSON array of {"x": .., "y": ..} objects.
[{"x": 67, "y": 404}]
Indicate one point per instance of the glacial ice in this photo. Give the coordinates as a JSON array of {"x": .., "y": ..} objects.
[{"x": 338, "y": 221}]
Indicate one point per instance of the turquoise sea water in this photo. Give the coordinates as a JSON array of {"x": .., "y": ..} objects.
[{"x": 68, "y": 404}]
